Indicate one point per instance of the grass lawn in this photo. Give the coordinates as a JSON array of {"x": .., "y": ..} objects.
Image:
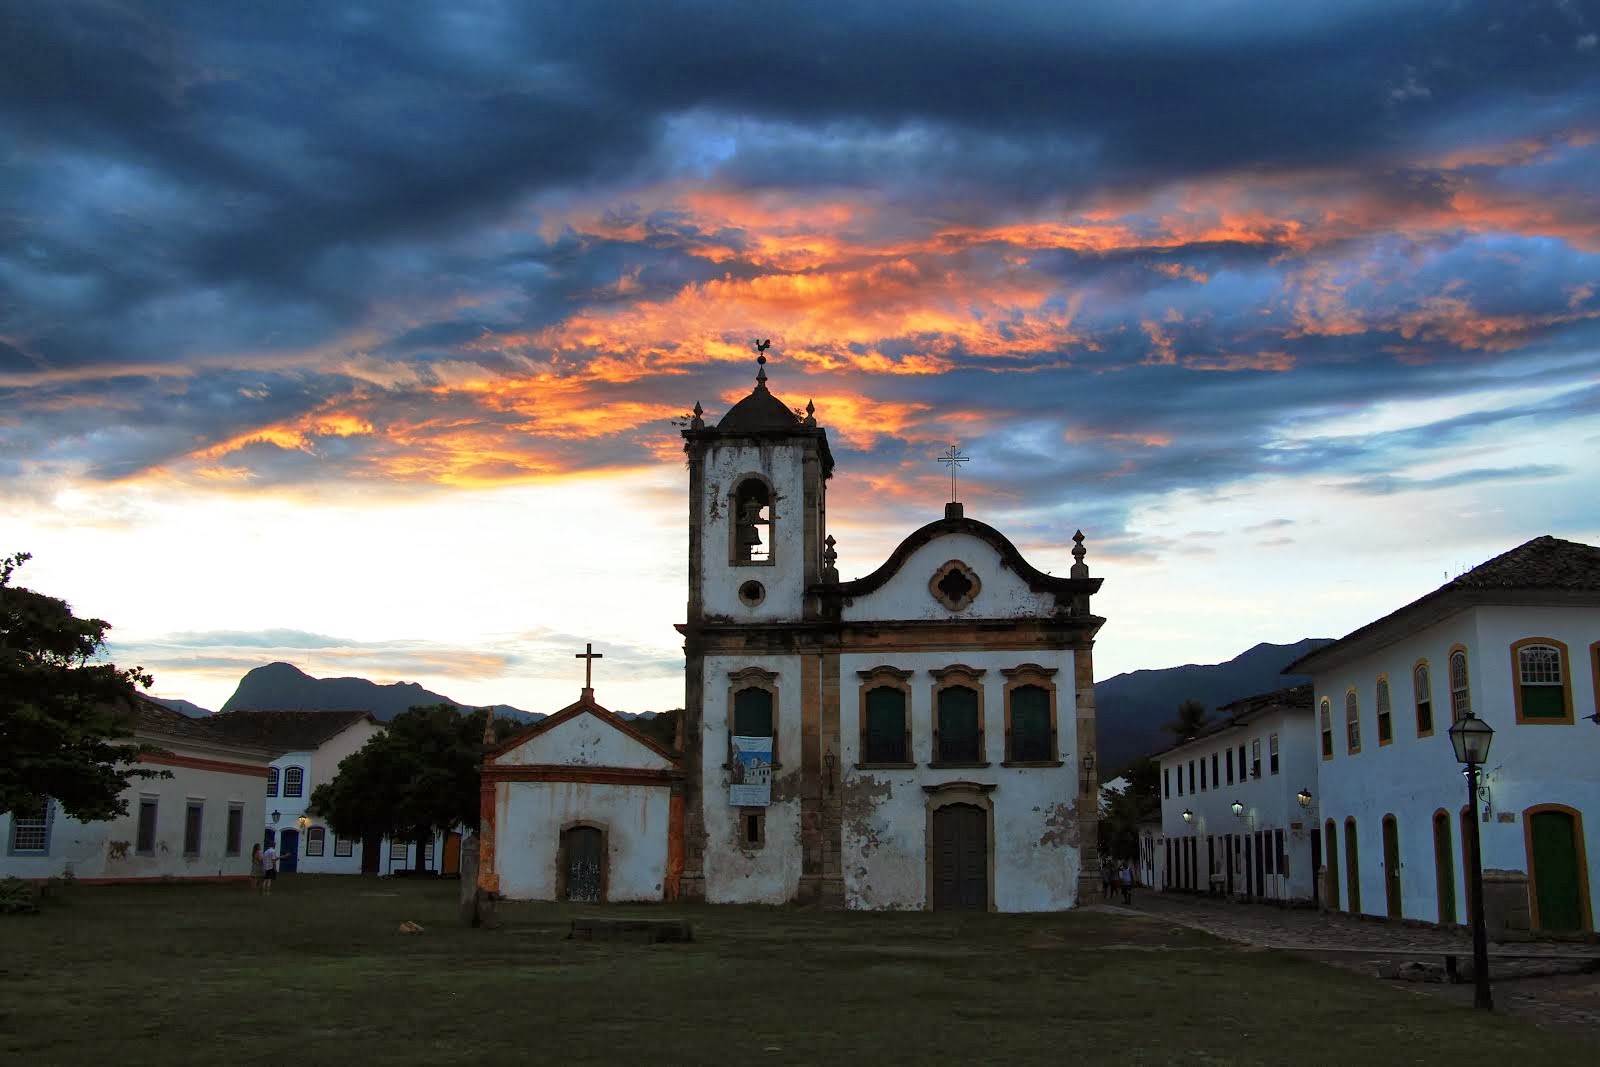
[{"x": 319, "y": 974}]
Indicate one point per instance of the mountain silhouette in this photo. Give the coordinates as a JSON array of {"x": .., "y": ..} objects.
[
  {"x": 285, "y": 687},
  {"x": 1131, "y": 709}
]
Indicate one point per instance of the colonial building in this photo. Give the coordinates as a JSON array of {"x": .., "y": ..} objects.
[
  {"x": 199, "y": 823},
  {"x": 308, "y": 747},
  {"x": 581, "y": 806},
  {"x": 1235, "y": 799},
  {"x": 921, "y": 737},
  {"x": 1515, "y": 642}
]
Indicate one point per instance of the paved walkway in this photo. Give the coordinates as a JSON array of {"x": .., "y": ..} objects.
[{"x": 1526, "y": 989}]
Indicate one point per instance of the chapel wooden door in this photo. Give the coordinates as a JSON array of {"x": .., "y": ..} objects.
[
  {"x": 1557, "y": 881},
  {"x": 1444, "y": 868},
  {"x": 960, "y": 858},
  {"x": 583, "y": 864},
  {"x": 1391, "y": 867}
]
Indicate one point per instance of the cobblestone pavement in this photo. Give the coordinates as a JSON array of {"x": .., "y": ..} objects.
[{"x": 1546, "y": 992}]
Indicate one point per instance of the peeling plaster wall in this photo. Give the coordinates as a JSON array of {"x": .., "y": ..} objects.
[
  {"x": 106, "y": 849},
  {"x": 583, "y": 741},
  {"x": 770, "y": 874},
  {"x": 528, "y": 835},
  {"x": 885, "y": 812},
  {"x": 1001, "y": 594},
  {"x": 784, "y": 577}
]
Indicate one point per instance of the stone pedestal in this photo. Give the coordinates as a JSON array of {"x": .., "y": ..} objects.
[
  {"x": 1328, "y": 879},
  {"x": 476, "y": 908},
  {"x": 1505, "y": 903}
]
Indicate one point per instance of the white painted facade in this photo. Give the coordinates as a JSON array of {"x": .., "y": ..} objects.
[
  {"x": 1267, "y": 851},
  {"x": 284, "y": 809},
  {"x": 1413, "y": 776},
  {"x": 835, "y": 830},
  {"x": 562, "y": 774},
  {"x": 222, "y": 781}
]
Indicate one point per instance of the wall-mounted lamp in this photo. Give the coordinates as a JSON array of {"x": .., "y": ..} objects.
[
  {"x": 304, "y": 822},
  {"x": 1238, "y": 809},
  {"x": 1304, "y": 797},
  {"x": 275, "y": 817},
  {"x": 1088, "y": 764},
  {"x": 1188, "y": 816}
]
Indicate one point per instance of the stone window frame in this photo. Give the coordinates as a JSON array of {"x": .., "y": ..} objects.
[
  {"x": 754, "y": 677},
  {"x": 1030, "y": 674},
  {"x": 733, "y": 521},
  {"x": 294, "y": 781},
  {"x": 272, "y": 781},
  {"x": 1383, "y": 700},
  {"x": 1460, "y": 709},
  {"x": 884, "y": 676},
  {"x": 605, "y": 858},
  {"x": 194, "y": 826},
  {"x": 233, "y": 833},
  {"x": 944, "y": 794},
  {"x": 1422, "y": 696},
  {"x": 948, "y": 568},
  {"x": 749, "y": 818},
  {"x": 1352, "y": 722},
  {"x": 958, "y": 675},
  {"x": 316, "y": 840},
  {"x": 147, "y": 802},
  {"x": 39, "y": 825},
  {"x": 343, "y": 847},
  {"x": 1560, "y": 649}
]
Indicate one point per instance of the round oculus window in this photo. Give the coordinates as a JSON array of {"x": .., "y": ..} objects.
[{"x": 752, "y": 593}]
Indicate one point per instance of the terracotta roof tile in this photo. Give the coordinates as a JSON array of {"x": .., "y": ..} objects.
[
  {"x": 283, "y": 730},
  {"x": 1543, "y": 563}
]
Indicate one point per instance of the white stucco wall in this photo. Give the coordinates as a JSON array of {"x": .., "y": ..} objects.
[
  {"x": 320, "y": 765},
  {"x": 1411, "y": 778},
  {"x": 585, "y": 740},
  {"x": 1001, "y": 594},
  {"x": 769, "y": 874},
  {"x": 784, "y": 575},
  {"x": 884, "y": 847},
  {"x": 1270, "y": 804},
  {"x": 107, "y": 849},
  {"x": 532, "y": 815}
]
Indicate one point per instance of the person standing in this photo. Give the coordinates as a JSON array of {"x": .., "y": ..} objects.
[
  {"x": 269, "y": 869},
  {"x": 255, "y": 867},
  {"x": 1126, "y": 878}
]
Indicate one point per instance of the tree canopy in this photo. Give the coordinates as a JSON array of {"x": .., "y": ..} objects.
[
  {"x": 66, "y": 718},
  {"x": 1121, "y": 814},
  {"x": 418, "y": 777},
  {"x": 1191, "y": 718}
]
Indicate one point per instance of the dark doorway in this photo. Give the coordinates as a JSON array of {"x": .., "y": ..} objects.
[
  {"x": 1391, "y": 867},
  {"x": 289, "y": 851},
  {"x": 1316, "y": 867},
  {"x": 1444, "y": 867},
  {"x": 1557, "y": 876},
  {"x": 583, "y": 868},
  {"x": 960, "y": 858},
  {"x": 371, "y": 854},
  {"x": 451, "y": 864}
]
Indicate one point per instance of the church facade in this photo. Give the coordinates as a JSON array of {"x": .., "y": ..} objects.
[{"x": 921, "y": 737}]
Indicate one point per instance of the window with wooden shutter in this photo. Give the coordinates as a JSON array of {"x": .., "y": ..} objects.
[
  {"x": 960, "y": 733},
  {"x": 1422, "y": 694},
  {"x": 1542, "y": 691},
  {"x": 1032, "y": 734},
  {"x": 887, "y": 738}
]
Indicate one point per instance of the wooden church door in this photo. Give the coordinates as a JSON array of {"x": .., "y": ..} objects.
[
  {"x": 960, "y": 858},
  {"x": 1393, "y": 898},
  {"x": 583, "y": 864}
]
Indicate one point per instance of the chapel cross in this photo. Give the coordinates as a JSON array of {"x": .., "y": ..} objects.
[
  {"x": 953, "y": 458},
  {"x": 589, "y": 655}
]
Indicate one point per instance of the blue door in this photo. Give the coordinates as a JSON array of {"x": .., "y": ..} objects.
[{"x": 288, "y": 851}]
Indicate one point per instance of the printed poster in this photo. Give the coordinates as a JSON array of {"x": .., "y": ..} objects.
[{"x": 750, "y": 773}]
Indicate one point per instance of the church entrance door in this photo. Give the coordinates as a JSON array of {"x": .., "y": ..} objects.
[
  {"x": 960, "y": 858},
  {"x": 583, "y": 863}
]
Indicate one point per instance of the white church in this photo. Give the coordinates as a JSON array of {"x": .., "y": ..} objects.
[{"x": 922, "y": 737}]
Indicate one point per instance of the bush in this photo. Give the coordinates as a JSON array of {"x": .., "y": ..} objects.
[{"x": 17, "y": 897}]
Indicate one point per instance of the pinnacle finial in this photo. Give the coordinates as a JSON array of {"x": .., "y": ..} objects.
[
  {"x": 811, "y": 414},
  {"x": 1080, "y": 569},
  {"x": 698, "y": 422}
]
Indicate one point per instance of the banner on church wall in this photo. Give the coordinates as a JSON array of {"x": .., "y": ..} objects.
[{"x": 750, "y": 773}]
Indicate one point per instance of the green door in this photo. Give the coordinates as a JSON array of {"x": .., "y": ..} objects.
[
  {"x": 1391, "y": 866},
  {"x": 1444, "y": 867},
  {"x": 1352, "y": 867},
  {"x": 1557, "y": 881}
]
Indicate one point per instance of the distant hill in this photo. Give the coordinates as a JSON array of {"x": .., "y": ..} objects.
[
  {"x": 284, "y": 687},
  {"x": 182, "y": 707},
  {"x": 1130, "y": 709}
]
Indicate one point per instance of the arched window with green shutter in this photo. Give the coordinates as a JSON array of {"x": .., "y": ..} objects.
[
  {"x": 886, "y": 739},
  {"x": 1031, "y": 734},
  {"x": 752, "y": 713},
  {"x": 960, "y": 731}
]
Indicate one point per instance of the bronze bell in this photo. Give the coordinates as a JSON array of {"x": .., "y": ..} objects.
[{"x": 749, "y": 536}]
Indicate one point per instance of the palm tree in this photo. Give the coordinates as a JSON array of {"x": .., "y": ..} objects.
[{"x": 1191, "y": 719}]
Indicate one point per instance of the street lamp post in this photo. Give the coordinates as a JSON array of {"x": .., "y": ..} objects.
[{"x": 1471, "y": 737}]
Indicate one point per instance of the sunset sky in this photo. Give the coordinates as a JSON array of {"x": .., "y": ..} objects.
[{"x": 352, "y": 334}]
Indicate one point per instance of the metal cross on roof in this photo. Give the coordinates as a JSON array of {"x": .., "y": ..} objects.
[
  {"x": 589, "y": 655},
  {"x": 953, "y": 458}
]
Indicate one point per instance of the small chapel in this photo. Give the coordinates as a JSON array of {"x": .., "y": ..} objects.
[{"x": 922, "y": 737}]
